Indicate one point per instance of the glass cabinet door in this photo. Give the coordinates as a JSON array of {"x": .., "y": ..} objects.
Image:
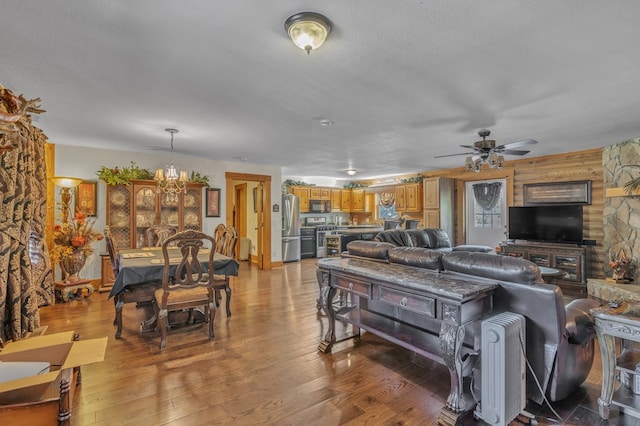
[
  {"x": 145, "y": 213},
  {"x": 169, "y": 210},
  {"x": 119, "y": 199},
  {"x": 540, "y": 259},
  {"x": 570, "y": 265},
  {"x": 191, "y": 209}
]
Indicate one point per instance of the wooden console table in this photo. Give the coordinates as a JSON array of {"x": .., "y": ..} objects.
[
  {"x": 421, "y": 310},
  {"x": 621, "y": 322}
]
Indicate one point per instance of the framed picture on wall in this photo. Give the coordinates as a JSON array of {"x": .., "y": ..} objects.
[
  {"x": 86, "y": 198},
  {"x": 213, "y": 202},
  {"x": 578, "y": 192}
]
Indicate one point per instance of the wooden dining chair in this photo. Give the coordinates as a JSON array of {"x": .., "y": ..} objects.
[
  {"x": 190, "y": 285},
  {"x": 156, "y": 234},
  {"x": 227, "y": 248},
  {"x": 218, "y": 235},
  {"x": 141, "y": 295},
  {"x": 112, "y": 251}
]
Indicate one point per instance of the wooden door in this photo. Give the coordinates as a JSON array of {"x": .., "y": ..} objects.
[{"x": 240, "y": 217}]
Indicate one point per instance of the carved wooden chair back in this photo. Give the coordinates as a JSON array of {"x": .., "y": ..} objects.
[
  {"x": 156, "y": 234},
  {"x": 187, "y": 281},
  {"x": 218, "y": 235},
  {"x": 228, "y": 247},
  {"x": 112, "y": 250},
  {"x": 230, "y": 241}
]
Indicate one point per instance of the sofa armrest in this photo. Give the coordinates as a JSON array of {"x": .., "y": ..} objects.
[{"x": 580, "y": 324}]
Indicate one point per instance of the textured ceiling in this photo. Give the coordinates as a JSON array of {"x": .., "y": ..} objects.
[{"x": 402, "y": 81}]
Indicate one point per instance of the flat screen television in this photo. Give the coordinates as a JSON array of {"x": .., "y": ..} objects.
[{"x": 553, "y": 223}]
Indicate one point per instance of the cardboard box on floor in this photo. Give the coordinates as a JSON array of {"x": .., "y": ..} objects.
[{"x": 61, "y": 352}]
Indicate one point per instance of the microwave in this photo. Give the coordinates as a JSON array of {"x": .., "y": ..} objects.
[{"x": 319, "y": 206}]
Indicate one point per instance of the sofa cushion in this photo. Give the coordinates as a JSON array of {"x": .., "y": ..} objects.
[
  {"x": 397, "y": 237},
  {"x": 503, "y": 268},
  {"x": 438, "y": 238},
  {"x": 416, "y": 256},
  {"x": 419, "y": 238},
  {"x": 371, "y": 249}
]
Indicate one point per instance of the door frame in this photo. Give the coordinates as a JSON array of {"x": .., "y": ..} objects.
[
  {"x": 263, "y": 245},
  {"x": 461, "y": 195}
]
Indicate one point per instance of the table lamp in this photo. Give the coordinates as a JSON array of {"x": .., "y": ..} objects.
[{"x": 67, "y": 186}]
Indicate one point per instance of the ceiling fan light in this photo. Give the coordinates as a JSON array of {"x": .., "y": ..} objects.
[
  {"x": 469, "y": 164},
  {"x": 351, "y": 172},
  {"x": 308, "y": 30}
]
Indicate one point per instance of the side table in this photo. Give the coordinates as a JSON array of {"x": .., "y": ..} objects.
[
  {"x": 618, "y": 323},
  {"x": 65, "y": 290}
]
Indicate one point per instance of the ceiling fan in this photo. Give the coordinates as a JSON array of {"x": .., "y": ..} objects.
[{"x": 486, "y": 151}]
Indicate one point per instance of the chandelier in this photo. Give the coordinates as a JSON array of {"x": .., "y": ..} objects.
[
  {"x": 474, "y": 163},
  {"x": 168, "y": 180}
]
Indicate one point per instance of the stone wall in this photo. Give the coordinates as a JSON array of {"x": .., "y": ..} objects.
[{"x": 621, "y": 215}]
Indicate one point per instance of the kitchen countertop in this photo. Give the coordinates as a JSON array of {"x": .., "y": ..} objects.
[{"x": 360, "y": 230}]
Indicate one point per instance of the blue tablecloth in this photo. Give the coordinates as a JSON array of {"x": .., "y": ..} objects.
[{"x": 139, "y": 266}]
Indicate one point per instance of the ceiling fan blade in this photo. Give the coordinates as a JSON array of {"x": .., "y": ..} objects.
[
  {"x": 468, "y": 146},
  {"x": 452, "y": 155},
  {"x": 512, "y": 152},
  {"x": 518, "y": 144}
]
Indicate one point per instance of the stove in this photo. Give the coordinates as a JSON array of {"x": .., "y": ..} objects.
[{"x": 322, "y": 230}]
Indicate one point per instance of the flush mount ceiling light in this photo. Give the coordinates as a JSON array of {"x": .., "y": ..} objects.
[
  {"x": 351, "y": 172},
  {"x": 308, "y": 30}
]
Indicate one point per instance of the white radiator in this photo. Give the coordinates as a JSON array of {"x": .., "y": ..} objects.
[
  {"x": 503, "y": 366},
  {"x": 245, "y": 248}
]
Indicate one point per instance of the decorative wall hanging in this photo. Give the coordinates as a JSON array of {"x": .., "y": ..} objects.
[
  {"x": 86, "y": 198},
  {"x": 213, "y": 202},
  {"x": 578, "y": 192}
]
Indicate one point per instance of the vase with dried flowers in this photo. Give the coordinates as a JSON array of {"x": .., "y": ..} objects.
[
  {"x": 73, "y": 240},
  {"x": 620, "y": 267}
]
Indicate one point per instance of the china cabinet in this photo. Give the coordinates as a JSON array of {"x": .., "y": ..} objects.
[{"x": 133, "y": 209}]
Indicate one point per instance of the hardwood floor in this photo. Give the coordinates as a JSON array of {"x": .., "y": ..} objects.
[{"x": 263, "y": 367}]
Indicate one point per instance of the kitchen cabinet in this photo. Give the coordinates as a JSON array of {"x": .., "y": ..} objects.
[
  {"x": 438, "y": 199},
  {"x": 346, "y": 200},
  {"x": 336, "y": 200},
  {"x": 319, "y": 194},
  {"x": 134, "y": 208},
  {"x": 408, "y": 197},
  {"x": 357, "y": 200},
  {"x": 303, "y": 194},
  {"x": 570, "y": 259}
]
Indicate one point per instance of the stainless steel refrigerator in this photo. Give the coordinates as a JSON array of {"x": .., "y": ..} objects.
[{"x": 290, "y": 228}]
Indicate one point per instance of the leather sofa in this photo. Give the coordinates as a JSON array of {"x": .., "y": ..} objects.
[
  {"x": 559, "y": 338},
  {"x": 432, "y": 238}
]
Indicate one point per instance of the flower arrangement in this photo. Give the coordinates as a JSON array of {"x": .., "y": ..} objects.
[{"x": 75, "y": 236}]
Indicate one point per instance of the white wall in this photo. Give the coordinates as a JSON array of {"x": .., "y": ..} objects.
[{"x": 85, "y": 162}]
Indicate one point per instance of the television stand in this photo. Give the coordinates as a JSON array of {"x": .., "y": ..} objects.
[{"x": 568, "y": 258}]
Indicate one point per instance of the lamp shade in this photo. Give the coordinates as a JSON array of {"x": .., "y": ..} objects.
[
  {"x": 66, "y": 182},
  {"x": 308, "y": 30}
]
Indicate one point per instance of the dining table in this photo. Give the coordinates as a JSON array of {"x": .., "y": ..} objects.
[{"x": 140, "y": 274}]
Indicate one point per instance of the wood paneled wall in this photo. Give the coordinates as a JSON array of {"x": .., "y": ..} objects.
[{"x": 573, "y": 166}]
